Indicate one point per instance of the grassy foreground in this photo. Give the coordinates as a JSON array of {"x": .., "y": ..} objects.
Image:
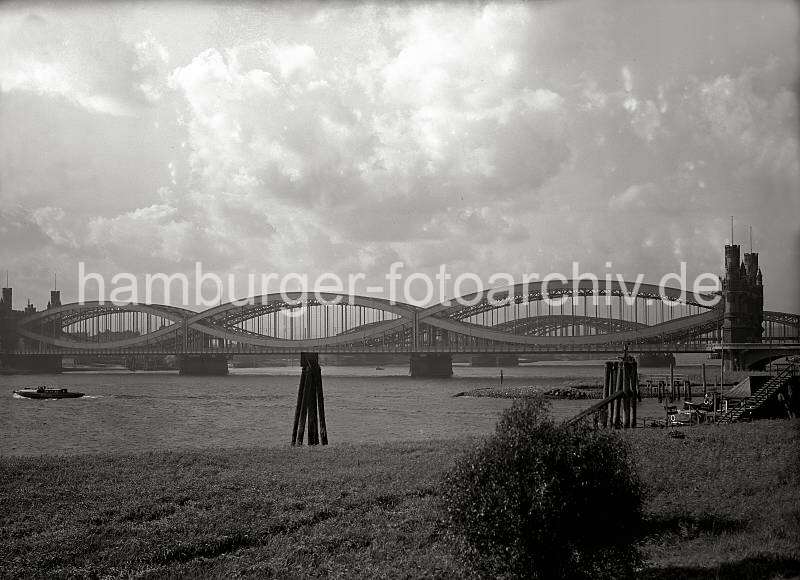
[{"x": 723, "y": 502}]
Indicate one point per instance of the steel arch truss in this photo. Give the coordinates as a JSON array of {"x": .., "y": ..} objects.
[{"x": 524, "y": 318}]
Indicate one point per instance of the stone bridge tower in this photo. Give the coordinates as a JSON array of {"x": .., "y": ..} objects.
[{"x": 743, "y": 293}]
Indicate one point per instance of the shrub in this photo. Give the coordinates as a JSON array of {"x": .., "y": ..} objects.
[{"x": 542, "y": 500}]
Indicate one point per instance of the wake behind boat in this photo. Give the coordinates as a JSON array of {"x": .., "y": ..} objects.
[{"x": 45, "y": 393}]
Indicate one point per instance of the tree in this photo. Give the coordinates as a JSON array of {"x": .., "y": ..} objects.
[{"x": 542, "y": 500}]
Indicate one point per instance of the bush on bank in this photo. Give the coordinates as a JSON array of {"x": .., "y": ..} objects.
[{"x": 542, "y": 500}]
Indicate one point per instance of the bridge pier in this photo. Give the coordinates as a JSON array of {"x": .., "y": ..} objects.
[
  {"x": 431, "y": 365},
  {"x": 204, "y": 364}
]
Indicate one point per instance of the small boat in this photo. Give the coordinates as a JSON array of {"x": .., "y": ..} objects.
[
  {"x": 379, "y": 368},
  {"x": 46, "y": 393}
]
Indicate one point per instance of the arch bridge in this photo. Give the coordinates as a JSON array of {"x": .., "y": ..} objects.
[{"x": 569, "y": 318}]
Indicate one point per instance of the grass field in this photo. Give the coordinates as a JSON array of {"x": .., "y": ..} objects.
[{"x": 723, "y": 502}]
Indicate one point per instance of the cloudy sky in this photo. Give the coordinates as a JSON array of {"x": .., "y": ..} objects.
[{"x": 311, "y": 138}]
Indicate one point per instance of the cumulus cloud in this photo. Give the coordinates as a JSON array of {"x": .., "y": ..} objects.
[
  {"x": 436, "y": 128},
  {"x": 156, "y": 231},
  {"x": 152, "y": 60},
  {"x": 40, "y": 55},
  {"x": 50, "y": 220},
  {"x": 512, "y": 136}
]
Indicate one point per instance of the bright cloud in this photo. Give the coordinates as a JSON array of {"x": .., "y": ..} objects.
[{"x": 511, "y": 137}]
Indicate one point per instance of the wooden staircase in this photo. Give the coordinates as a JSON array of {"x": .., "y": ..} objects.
[{"x": 764, "y": 394}]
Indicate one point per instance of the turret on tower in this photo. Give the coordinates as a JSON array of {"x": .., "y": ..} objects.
[
  {"x": 55, "y": 299},
  {"x": 751, "y": 265},
  {"x": 7, "y": 300}
]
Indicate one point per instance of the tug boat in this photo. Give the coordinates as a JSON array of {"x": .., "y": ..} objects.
[{"x": 45, "y": 393}]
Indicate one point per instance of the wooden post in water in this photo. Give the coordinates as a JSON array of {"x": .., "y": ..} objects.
[
  {"x": 323, "y": 427},
  {"x": 299, "y": 408},
  {"x": 301, "y": 427},
  {"x": 714, "y": 405},
  {"x": 705, "y": 391},
  {"x": 671, "y": 382},
  {"x": 612, "y": 388},
  {"x": 607, "y": 390},
  {"x": 635, "y": 391},
  {"x": 620, "y": 389},
  {"x": 310, "y": 403},
  {"x": 626, "y": 388}
]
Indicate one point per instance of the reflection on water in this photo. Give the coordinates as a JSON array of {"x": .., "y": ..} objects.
[{"x": 255, "y": 407}]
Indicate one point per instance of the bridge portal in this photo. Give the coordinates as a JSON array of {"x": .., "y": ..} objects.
[{"x": 743, "y": 292}]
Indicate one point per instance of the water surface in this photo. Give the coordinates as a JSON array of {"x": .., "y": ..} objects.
[{"x": 127, "y": 412}]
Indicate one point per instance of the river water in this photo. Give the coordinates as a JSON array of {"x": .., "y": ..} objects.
[{"x": 128, "y": 412}]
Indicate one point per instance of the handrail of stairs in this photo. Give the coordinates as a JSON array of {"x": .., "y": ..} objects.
[{"x": 764, "y": 393}]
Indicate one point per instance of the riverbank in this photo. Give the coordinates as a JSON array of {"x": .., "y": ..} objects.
[
  {"x": 721, "y": 502},
  {"x": 521, "y": 391}
]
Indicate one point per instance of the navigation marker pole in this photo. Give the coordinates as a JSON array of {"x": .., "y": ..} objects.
[{"x": 310, "y": 407}]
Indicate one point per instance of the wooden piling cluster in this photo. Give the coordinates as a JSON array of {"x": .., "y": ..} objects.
[
  {"x": 622, "y": 387},
  {"x": 677, "y": 388},
  {"x": 310, "y": 409},
  {"x": 663, "y": 393}
]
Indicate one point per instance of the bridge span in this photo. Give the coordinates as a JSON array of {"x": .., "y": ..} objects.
[{"x": 576, "y": 318}]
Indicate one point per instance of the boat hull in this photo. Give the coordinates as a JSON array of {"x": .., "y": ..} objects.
[{"x": 48, "y": 394}]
